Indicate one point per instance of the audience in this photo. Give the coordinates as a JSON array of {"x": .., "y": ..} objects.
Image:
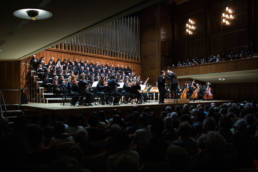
[
  {"x": 212, "y": 137},
  {"x": 225, "y": 56}
]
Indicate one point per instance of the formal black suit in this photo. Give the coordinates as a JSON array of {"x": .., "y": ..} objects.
[
  {"x": 173, "y": 84},
  {"x": 34, "y": 63},
  {"x": 112, "y": 91},
  {"x": 161, "y": 86}
]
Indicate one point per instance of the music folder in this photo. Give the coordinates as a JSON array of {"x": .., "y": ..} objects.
[{"x": 94, "y": 84}]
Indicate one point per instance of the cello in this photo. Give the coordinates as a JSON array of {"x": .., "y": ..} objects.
[{"x": 208, "y": 94}]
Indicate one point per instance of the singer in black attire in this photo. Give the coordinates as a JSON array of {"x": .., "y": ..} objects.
[{"x": 161, "y": 86}]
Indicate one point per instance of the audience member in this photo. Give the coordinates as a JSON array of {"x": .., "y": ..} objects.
[{"x": 212, "y": 137}]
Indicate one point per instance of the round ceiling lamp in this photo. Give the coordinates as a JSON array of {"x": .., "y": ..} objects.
[{"x": 32, "y": 14}]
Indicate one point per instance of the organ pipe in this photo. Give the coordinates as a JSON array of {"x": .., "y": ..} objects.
[{"x": 119, "y": 38}]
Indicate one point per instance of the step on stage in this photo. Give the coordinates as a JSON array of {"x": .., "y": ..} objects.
[{"x": 61, "y": 109}]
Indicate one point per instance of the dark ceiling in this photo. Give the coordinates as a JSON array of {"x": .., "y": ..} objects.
[{"x": 21, "y": 38}]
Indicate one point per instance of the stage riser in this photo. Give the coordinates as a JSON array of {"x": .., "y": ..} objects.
[
  {"x": 68, "y": 111},
  {"x": 177, "y": 101}
]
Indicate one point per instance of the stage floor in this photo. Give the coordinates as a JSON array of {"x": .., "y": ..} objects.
[{"x": 67, "y": 106}]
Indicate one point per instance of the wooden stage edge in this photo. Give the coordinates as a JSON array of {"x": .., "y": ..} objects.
[{"x": 153, "y": 104}]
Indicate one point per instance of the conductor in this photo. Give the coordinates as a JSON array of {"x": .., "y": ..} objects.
[
  {"x": 161, "y": 86},
  {"x": 173, "y": 83}
]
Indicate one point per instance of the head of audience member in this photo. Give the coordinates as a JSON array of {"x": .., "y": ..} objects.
[
  {"x": 126, "y": 161},
  {"x": 178, "y": 158}
]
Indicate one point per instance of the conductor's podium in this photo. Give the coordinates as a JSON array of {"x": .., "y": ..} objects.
[{"x": 177, "y": 101}]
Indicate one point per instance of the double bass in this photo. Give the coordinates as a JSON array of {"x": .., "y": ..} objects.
[
  {"x": 196, "y": 92},
  {"x": 185, "y": 92},
  {"x": 208, "y": 94}
]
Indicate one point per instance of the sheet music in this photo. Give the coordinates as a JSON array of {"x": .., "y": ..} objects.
[
  {"x": 121, "y": 85},
  {"x": 142, "y": 87},
  {"x": 95, "y": 83}
]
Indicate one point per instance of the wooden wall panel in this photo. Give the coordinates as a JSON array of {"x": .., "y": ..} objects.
[
  {"x": 166, "y": 30},
  {"x": 211, "y": 37},
  {"x": 10, "y": 81},
  {"x": 156, "y": 39},
  {"x": 240, "y": 91}
]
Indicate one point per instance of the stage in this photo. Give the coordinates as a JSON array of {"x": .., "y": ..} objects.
[
  {"x": 56, "y": 110},
  {"x": 67, "y": 106}
]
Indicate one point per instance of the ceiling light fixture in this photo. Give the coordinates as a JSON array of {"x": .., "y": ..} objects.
[
  {"x": 190, "y": 27},
  {"x": 32, "y": 14},
  {"x": 227, "y": 16}
]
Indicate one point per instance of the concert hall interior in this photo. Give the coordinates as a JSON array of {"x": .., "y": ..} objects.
[{"x": 139, "y": 85}]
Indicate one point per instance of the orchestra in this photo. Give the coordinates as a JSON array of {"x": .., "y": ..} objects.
[
  {"x": 76, "y": 79},
  {"x": 169, "y": 87},
  {"x": 86, "y": 82}
]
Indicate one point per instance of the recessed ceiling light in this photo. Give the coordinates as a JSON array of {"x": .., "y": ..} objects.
[{"x": 32, "y": 14}]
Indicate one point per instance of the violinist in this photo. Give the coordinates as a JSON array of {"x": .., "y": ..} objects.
[
  {"x": 135, "y": 88},
  {"x": 101, "y": 90},
  {"x": 114, "y": 95},
  {"x": 145, "y": 90}
]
